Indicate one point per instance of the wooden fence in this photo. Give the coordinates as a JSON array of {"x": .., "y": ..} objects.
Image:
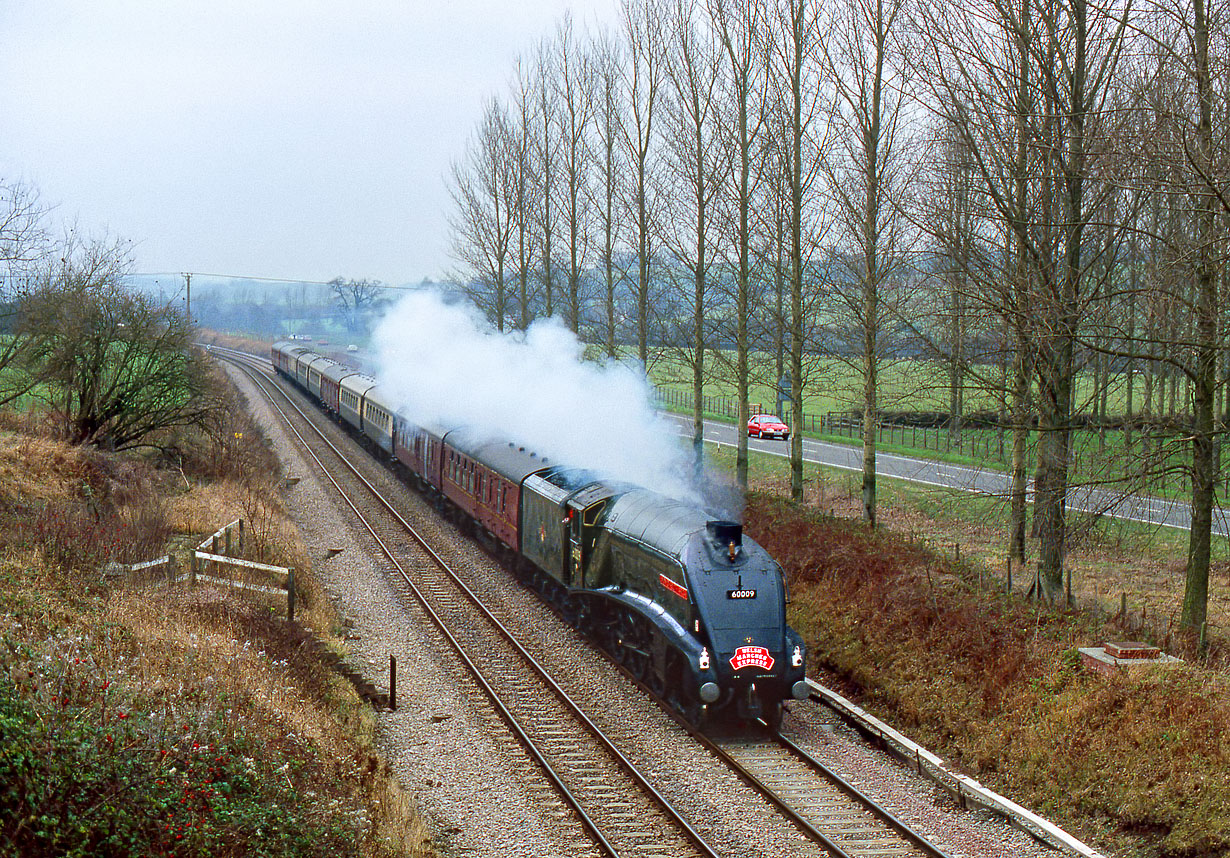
[
  {"x": 213, "y": 554},
  {"x": 163, "y": 568},
  {"x": 208, "y": 560}
]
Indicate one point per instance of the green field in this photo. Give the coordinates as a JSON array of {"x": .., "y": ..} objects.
[
  {"x": 832, "y": 384},
  {"x": 832, "y": 392}
]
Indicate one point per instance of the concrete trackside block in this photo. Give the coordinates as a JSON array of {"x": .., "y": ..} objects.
[
  {"x": 1130, "y": 649},
  {"x": 1103, "y": 660}
]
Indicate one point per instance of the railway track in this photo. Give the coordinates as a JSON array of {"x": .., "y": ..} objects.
[
  {"x": 616, "y": 803},
  {"x": 829, "y": 808}
]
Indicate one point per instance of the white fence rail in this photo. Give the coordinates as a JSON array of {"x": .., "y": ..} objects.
[
  {"x": 214, "y": 553},
  {"x": 162, "y": 568}
]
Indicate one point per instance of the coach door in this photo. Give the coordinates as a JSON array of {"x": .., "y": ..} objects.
[{"x": 575, "y": 521}]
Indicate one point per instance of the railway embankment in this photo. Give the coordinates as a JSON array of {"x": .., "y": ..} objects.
[
  {"x": 1137, "y": 763},
  {"x": 161, "y": 719}
]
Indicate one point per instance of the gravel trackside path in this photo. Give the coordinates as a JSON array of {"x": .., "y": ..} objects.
[{"x": 473, "y": 782}]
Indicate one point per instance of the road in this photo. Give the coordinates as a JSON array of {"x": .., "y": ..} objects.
[{"x": 1131, "y": 507}]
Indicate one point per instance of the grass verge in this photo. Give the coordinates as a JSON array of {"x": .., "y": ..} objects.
[
  {"x": 162, "y": 720},
  {"x": 1139, "y": 764}
]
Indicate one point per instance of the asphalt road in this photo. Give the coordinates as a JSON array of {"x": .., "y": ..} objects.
[{"x": 1130, "y": 507}]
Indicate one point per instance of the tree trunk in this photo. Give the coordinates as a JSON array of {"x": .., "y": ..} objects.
[{"x": 1204, "y": 380}]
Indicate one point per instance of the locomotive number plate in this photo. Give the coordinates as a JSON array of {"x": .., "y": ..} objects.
[{"x": 740, "y": 594}]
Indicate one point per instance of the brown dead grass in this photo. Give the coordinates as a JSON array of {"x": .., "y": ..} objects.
[
  {"x": 194, "y": 650},
  {"x": 1108, "y": 562},
  {"x": 1137, "y": 763},
  {"x": 252, "y": 345}
]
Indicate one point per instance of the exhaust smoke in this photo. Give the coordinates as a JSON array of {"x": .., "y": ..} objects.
[{"x": 441, "y": 363}]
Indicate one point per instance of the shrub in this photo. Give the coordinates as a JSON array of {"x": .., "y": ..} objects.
[
  {"x": 89, "y": 767},
  {"x": 994, "y": 683}
]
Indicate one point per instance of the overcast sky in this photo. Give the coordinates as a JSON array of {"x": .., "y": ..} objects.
[{"x": 274, "y": 138}]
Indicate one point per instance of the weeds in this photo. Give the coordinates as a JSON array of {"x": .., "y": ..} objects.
[
  {"x": 993, "y": 682},
  {"x": 93, "y": 764},
  {"x": 169, "y": 721}
]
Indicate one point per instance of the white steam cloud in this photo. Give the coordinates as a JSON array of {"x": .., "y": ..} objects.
[{"x": 442, "y": 363}]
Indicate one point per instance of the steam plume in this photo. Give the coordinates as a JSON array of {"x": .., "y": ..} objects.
[{"x": 442, "y": 364}]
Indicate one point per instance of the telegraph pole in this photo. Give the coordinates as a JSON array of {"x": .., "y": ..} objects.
[{"x": 188, "y": 301}]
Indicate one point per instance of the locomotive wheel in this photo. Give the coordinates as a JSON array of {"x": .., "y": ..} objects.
[
  {"x": 572, "y": 608},
  {"x": 657, "y": 681},
  {"x": 634, "y": 646}
]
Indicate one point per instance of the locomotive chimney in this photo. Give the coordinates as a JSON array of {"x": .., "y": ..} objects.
[{"x": 725, "y": 533}]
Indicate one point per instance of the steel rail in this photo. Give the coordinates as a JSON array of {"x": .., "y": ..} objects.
[
  {"x": 244, "y": 361},
  {"x": 749, "y": 777},
  {"x": 884, "y": 814},
  {"x": 780, "y": 802}
]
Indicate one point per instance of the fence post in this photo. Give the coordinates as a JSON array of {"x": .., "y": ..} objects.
[
  {"x": 393, "y": 682},
  {"x": 241, "y": 537},
  {"x": 192, "y": 574},
  {"x": 228, "y": 541},
  {"x": 290, "y": 594},
  {"x": 213, "y": 549}
]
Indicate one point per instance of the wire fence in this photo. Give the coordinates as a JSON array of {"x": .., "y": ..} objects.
[{"x": 976, "y": 442}]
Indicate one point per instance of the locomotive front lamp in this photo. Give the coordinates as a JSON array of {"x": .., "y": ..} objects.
[
  {"x": 797, "y": 659},
  {"x": 703, "y": 661},
  {"x": 733, "y": 550}
]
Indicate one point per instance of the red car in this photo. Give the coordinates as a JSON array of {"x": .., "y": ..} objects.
[{"x": 767, "y": 426}]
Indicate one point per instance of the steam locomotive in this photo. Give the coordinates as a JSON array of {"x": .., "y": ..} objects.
[{"x": 689, "y": 605}]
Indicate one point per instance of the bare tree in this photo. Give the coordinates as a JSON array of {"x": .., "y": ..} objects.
[
  {"x": 1059, "y": 60},
  {"x": 694, "y": 177},
  {"x": 609, "y": 187},
  {"x": 1184, "y": 108},
  {"x": 865, "y": 181},
  {"x": 117, "y": 366},
  {"x": 642, "y": 84},
  {"x": 575, "y": 81},
  {"x": 1210, "y": 166},
  {"x": 23, "y": 242},
  {"x": 797, "y": 152},
  {"x": 742, "y": 27},
  {"x": 354, "y": 299},
  {"x": 523, "y": 208},
  {"x": 484, "y": 188},
  {"x": 546, "y": 163}
]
